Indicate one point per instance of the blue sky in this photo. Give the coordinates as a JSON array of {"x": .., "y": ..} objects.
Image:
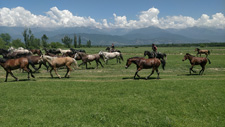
[{"x": 131, "y": 9}]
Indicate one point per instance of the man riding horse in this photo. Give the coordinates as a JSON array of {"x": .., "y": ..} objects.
[{"x": 154, "y": 48}]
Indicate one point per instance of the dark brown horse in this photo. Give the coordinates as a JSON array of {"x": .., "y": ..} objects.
[
  {"x": 202, "y": 61},
  {"x": 36, "y": 51},
  {"x": 199, "y": 51},
  {"x": 12, "y": 64},
  {"x": 143, "y": 63},
  {"x": 36, "y": 60}
]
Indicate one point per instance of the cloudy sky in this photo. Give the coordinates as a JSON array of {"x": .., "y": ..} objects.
[{"x": 128, "y": 14}]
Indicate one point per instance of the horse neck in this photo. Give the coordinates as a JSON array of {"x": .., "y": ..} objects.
[{"x": 190, "y": 57}]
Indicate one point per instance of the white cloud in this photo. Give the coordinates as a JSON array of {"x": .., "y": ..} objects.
[{"x": 64, "y": 18}]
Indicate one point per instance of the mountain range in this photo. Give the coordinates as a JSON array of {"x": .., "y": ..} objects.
[{"x": 141, "y": 36}]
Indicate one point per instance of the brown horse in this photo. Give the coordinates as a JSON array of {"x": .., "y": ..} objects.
[
  {"x": 196, "y": 61},
  {"x": 88, "y": 58},
  {"x": 36, "y": 60},
  {"x": 143, "y": 63},
  {"x": 199, "y": 51},
  {"x": 56, "y": 62},
  {"x": 36, "y": 51},
  {"x": 12, "y": 64}
]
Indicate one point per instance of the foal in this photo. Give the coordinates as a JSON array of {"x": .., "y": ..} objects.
[
  {"x": 202, "y": 61},
  {"x": 56, "y": 62},
  {"x": 199, "y": 51},
  {"x": 12, "y": 64}
]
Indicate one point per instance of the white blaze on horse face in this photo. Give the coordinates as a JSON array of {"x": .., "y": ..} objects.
[{"x": 75, "y": 56}]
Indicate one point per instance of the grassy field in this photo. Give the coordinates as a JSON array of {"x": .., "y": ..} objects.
[{"x": 110, "y": 96}]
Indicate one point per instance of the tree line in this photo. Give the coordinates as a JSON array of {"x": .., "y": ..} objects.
[{"x": 31, "y": 42}]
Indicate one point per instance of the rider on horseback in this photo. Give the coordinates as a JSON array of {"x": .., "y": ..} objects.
[
  {"x": 154, "y": 48},
  {"x": 112, "y": 47}
]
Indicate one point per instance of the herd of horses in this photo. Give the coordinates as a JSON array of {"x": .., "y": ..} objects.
[{"x": 54, "y": 58}]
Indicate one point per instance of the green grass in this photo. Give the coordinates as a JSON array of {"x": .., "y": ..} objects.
[{"x": 110, "y": 97}]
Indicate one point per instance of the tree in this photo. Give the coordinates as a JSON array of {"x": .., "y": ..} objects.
[
  {"x": 88, "y": 43},
  {"x": 18, "y": 43},
  {"x": 44, "y": 39},
  {"x": 67, "y": 41},
  {"x": 75, "y": 41},
  {"x": 6, "y": 37},
  {"x": 55, "y": 45},
  {"x": 2, "y": 43},
  {"x": 26, "y": 38},
  {"x": 79, "y": 41}
]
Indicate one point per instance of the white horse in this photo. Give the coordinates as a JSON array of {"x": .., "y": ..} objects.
[
  {"x": 111, "y": 55},
  {"x": 64, "y": 51},
  {"x": 56, "y": 62}
]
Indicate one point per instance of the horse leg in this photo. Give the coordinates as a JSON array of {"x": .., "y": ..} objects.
[
  {"x": 96, "y": 63},
  {"x": 67, "y": 72},
  {"x": 11, "y": 75},
  {"x": 51, "y": 72},
  {"x": 136, "y": 73},
  {"x": 191, "y": 69},
  {"x": 203, "y": 68},
  {"x": 151, "y": 73},
  {"x": 6, "y": 76},
  {"x": 101, "y": 63},
  {"x": 55, "y": 69}
]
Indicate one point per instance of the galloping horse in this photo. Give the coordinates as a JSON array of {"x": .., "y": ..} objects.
[
  {"x": 196, "y": 61},
  {"x": 88, "y": 58},
  {"x": 143, "y": 63},
  {"x": 112, "y": 50},
  {"x": 36, "y": 60},
  {"x": 12, "y": 64},
  {"x": 111, "y": 55},
  {"x": 36, "y": 51},
  {"x": 56, "y": 62},
  {"x": 199, "y": 51}
]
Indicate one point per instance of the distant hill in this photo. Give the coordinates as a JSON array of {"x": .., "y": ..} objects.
[{"x": 125, "y": 36}]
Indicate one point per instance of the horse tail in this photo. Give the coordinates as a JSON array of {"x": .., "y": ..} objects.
[
  {"x": 208, "y": 52},
  {"x": 163, "y": 63},
  {"x": 102, "y": 57},
  {"x": 121, "y": 56},
  {"x": 208, "y": 60}
]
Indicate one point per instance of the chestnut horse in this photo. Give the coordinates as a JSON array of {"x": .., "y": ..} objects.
[
  {"x": 12, "y": 64},
  {"x": 143, "y": 63},
  {"x": 202, "y": 61},
  {"x": 56, "y": 62},
  {"x": 199, "y": 51}
]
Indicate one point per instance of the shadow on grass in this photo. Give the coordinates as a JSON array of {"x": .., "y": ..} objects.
[
  {"x": 188, "y": 74},
  {"x": 21, "y": 80},
  {"x": 141, "y": 78}
]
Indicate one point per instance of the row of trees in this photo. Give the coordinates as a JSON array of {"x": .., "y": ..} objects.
[{"x": 31, "y": 42}]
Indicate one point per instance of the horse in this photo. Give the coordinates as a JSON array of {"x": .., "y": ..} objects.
[
  {"x": 36, "y": 51},
  {"x": 56, "y": 62},
  {"x": 64, "y": 51},
  {"x": 199, "y": 51},
  {"x": 196, "y": 61},
  {"x": 112, "y": 50},
  {"x": 36, "y": 60},
  {"x": 111, "y": 55},
  {"x": 88, "y": 58},
  {"x": 53, "y": 51},
  {"x": 12, "y": 64},
  {"x": 77, "y": 50},
  {"x": 142, "y": 63}
]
